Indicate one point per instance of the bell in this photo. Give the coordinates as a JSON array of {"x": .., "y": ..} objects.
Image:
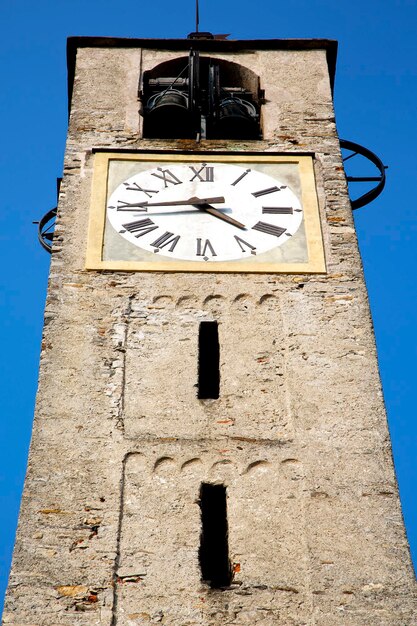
[
  {"x": 167, "y": 116},
  {"x": 237, "y": 119}
]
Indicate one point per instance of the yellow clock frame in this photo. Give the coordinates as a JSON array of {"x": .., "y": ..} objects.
[{"x": 100, "y": 193}]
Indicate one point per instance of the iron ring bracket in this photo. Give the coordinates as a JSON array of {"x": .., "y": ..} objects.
[
  {"x": 45, "y": 229},
  {"x": 380, "y": 180}
]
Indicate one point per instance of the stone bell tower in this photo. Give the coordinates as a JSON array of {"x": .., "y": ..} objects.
[{"x": 210, "y": 443}]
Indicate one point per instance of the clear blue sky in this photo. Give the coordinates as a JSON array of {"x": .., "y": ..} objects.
[{"x": 375, "y": 95}]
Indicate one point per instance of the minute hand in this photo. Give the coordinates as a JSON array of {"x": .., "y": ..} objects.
[
  {"x": 209, "y": 209},
  {"x": 191, "y": 201}
]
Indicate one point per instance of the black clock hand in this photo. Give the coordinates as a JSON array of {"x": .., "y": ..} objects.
[
  {"x": 200, "y": 203},
  {"x": 194, "y": 201},
  {"x": 210, "y": 209}
]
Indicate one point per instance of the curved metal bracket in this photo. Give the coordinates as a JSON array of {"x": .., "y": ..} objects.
[
  {"x": 46, "y": 229},
  {"x": 357, "y": 149}
]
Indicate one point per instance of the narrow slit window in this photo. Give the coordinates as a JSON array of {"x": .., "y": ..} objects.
[
  {"x": 214, "y": 548},
  {"x": 208, "y": 361}
]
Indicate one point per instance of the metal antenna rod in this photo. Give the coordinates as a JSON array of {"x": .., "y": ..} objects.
[{"x": 197, "y": 16}]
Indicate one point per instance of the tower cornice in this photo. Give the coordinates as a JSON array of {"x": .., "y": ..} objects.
[{"x": 203, "y": 45}]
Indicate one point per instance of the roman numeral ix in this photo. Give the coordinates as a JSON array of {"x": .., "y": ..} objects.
[
  {"x": 278, "y": 210},
  {"x": 130, "y": 206}
]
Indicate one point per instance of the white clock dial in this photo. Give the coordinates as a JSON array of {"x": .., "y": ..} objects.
[{"x": 204, "y": 212}]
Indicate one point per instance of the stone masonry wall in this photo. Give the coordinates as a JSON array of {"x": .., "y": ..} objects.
[{"x": 110, "y": 524}]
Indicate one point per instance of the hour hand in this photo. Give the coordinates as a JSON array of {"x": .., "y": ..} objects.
[{"x": 210, "y": 209}]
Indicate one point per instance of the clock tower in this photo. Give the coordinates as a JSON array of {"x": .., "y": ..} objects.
[{"x": 210, "y": 443}]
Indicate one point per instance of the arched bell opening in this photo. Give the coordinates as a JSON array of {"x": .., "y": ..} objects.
[{"x": 201, "y": 98}]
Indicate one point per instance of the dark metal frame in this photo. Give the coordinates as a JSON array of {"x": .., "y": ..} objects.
[
  {"x": 373, "y": 193},
  {"x": 45, "y": 235},
  {"x": 205, "y": 98}
]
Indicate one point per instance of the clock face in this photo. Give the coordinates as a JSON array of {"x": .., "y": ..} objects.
[{"x": 204, "y": 212}]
